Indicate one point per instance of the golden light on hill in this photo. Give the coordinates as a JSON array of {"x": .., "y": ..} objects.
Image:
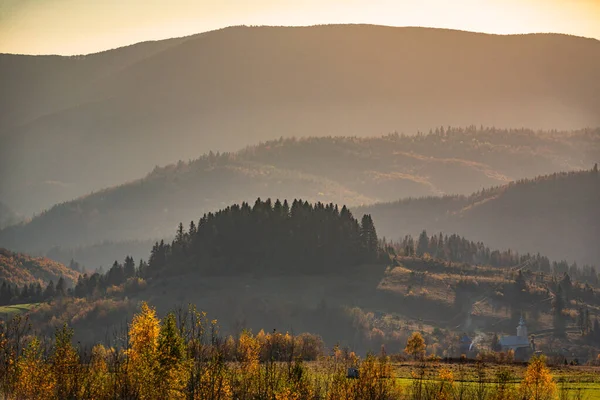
[{"x": 76, "y": 27}]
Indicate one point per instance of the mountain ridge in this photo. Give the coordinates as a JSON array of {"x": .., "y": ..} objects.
[
  {"x": 353, "y": 171},
  {"x": 93, "y": 120},
  {"x": 553, "y": 215}
]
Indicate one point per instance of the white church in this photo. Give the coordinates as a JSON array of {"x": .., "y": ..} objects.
[{"x": 520, "y": 344}]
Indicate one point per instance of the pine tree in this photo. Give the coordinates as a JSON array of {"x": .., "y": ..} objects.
[
  {"x": 5, "y": 295},
  {"x": 520, "y": 283},
  {"x": 180, "y": 235},
  {"x": 61, "y": 289},
  {"x": 38, "y": 292},
  {"x": 565, "y": 285},
  {"x": 422, "y": 244},
  {"x": 49, "y": 292},
  {"x": 24, "y": 293},
  {"x": 596, "y": 330},
  {"x": 368, "y": 236},
  {"x": 80, "y": 287},
  {"x": 129, "y": 267},
  {"x": 192, "y": 230}
]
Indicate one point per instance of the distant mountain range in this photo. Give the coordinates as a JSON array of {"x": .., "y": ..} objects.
[
  {"x": 556, "y": 215},
  {"x": 71, "y": 125},
  {"x": 349, "y": 171}
]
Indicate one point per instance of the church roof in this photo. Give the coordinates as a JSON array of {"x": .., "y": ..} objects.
[
  {"x": 514, "y": 341},
  {"x": 465, "y": 339}
]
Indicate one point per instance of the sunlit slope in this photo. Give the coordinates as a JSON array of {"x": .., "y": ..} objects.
[{"x": 20, "y": 269}]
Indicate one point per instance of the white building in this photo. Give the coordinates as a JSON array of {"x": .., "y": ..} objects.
[{"x": 519, "y": 344}]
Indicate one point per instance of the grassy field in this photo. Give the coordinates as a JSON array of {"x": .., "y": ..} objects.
[
  {"x": 571, "y": 379},
  {"x": 9, "y": 311}
]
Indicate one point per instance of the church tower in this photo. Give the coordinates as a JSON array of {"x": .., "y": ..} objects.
[{"x": 522, "y": 329}]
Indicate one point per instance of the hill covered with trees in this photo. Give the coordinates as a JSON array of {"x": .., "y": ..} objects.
[
  {"x": 270, "y": 238},
  {"x": 112, "y": 116},
  {"x": 19, "y": 269},
  {"x": 345, "y": 170},
  {"x": 556, "y": 215},
  {"x": 315, "y": 267},
  {"x": 280, "y": 245}
]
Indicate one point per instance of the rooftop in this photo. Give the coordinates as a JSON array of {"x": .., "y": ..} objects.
[{"x": 514, "y": 341}]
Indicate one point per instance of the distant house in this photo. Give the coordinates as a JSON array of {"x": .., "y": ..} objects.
[
  {"x": 520, "y": 344},
  {"x": 465, "y": 343}
]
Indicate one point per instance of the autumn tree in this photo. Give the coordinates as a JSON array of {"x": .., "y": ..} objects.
[
  {"x": 65, "y": 364},
  {"x": 98, "y": 375},
  {"x": 537, "y": 383},
  {"x": 35, "y": 378},
  {"x": 142, "y": 353},
  {"x": 171, "y": 358},
  {"x": 248, "y": 357},
  {"x": 415, "y": 346}
]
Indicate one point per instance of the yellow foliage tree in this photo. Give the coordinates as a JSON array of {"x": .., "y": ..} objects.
[
  {"x": 98, "y": 376},
  {"x": 34, "y": 377},
  {"x": 537, "y": 383},
  {"x": 172, "y": 359},
  {"x": 446, "y": 384},
  {"x": 415, "y": 346},
  {"x": 65, "y": 365},
  {"x": 143, "y": 352},
  {"x": 248, "y": 356}
]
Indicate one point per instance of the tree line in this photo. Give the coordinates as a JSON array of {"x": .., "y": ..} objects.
[
  {"x": 183, "y": 356},
  {"x": 266, "y": 238},
  {"x": 270, "y": 238},
  {"x": 456, "y": 248},
  {"x": 32, "y": 293}
]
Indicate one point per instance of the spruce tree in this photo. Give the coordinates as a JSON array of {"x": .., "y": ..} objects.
[
  {"x": 129, "y": 267},
  {"x": 61, "y": 288},
  {"x": 558, "y": 306},
  {"x": 49, "y": 292},
  {"x": 422, "y": 244}
]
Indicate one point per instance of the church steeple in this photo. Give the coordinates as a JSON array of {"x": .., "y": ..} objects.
[{"x": 522, "y": 329}]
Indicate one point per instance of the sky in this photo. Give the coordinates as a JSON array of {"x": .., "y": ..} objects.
[{"x": 71, "y": 27}]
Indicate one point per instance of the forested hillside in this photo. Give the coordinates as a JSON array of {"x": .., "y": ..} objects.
[
  {"x": 71, "y": 125},
  {"x": 556, "y": 215},
  {"x": 269, "y": 238},
  {"x": 316, "y": 267},
  {"x": 20, "y": 269},
  {"x": 331, "y": 169}
]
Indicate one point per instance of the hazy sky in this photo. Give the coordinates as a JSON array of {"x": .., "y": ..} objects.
[{"x": 85, "y": 26}]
